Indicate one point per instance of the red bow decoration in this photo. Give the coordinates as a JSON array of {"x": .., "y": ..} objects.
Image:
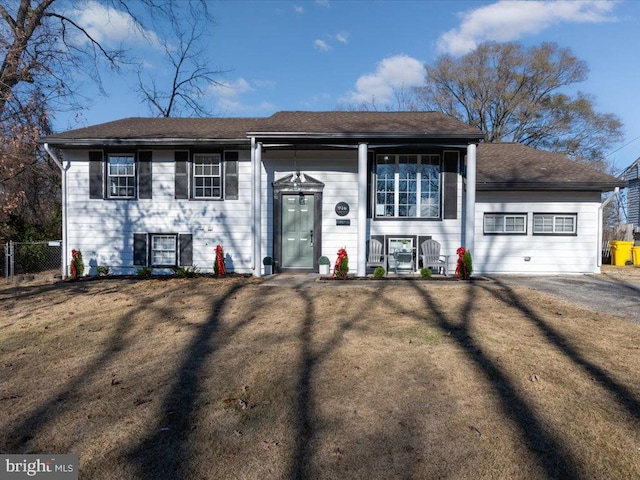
[
  {"x": 219, "y": 265},
  {"x": 337, "y": 269},
  {"x": 461, "y": 268},
  {"x": 74, "y": 256}
]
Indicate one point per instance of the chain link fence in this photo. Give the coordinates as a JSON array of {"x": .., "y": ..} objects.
[{"x": 32, "y": 258}]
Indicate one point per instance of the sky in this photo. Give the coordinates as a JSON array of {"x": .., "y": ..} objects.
[{"x": 320, "y": 55}]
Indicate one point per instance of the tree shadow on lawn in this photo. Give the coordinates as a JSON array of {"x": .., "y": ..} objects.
[
  {"x": 549, "y": 452},
  {"x": 623, "y": 395},
  {"x": 163, "y": 453},
  {"x": 16, "y": 441}
]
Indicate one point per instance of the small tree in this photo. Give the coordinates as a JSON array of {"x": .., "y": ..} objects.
[{"x": 341, "y": 268}]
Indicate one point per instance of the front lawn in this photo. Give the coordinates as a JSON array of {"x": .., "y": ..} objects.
[{"x": 228, "y": 378}]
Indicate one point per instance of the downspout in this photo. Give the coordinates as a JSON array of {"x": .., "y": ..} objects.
[
  {"x": 63, "y": 174},
  {"x": 600, "y": 220}
]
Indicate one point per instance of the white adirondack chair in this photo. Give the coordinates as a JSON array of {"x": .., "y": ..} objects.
[
  {"x": 431, "y": 258},
  {"x": 376, "y": 257}
]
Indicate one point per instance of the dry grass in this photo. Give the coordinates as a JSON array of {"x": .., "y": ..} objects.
[{"x": 207, "y": 378}]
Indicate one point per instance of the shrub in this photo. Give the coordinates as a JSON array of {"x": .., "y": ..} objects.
[
  {"x": 219, "y": 268},
  {"x": 77, "y": 265},
  {"x": 464, "y": 268},
  {"x": 425, "y": 272},
  {"x": 102, "y": 270},
  {"x": 324, "y": 260},
  {"x": 144, "y": 272},
  {"x": 466, "y": 258},
  {"x": 379, "y": 272},
  {"x": 186, "y": 272},
  {"x": 267, "y": 261},
  {"x": 341, "y": 268}
]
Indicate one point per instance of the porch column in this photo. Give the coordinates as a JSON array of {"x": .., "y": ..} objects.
[
  {"x": 470, "y": 204},
  {"x": 362, "y": 209},
  {"x": 256, "y": 201}
]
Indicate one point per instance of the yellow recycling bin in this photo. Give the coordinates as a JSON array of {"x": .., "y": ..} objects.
[
  {"x": 620, "y": 252},
  {"x": 635, "y": 253}
]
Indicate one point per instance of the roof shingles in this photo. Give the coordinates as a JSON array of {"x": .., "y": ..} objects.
[{"x": 513, "y": 165}]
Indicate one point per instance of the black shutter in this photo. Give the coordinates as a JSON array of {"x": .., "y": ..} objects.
[
  {"x": 450, "y": 185},
  {"x": 144, "y": 174},
  {"x": 231, "y": 175},
  {"x": 96, "y": 169},
  {"x": 140, "y": 249},
  {"x": 185, "y": 243},
  {"x": 182, "y": 175}
]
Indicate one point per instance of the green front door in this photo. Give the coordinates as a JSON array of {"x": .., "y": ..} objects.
[{"x": 297, "y": 231}]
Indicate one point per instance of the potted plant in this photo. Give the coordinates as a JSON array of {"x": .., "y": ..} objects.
[
  {"x": 268, "y": 265},
  {"x": 324, "y": 265}
]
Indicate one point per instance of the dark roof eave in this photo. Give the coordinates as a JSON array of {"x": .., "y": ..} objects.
[
  {"x": 550, "y": 186},
  {"x": 365, "y": 135},
  {"x": 144, "y": 142}
]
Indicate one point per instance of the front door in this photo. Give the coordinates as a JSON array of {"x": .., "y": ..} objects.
[{"x": 297, "y": 231}]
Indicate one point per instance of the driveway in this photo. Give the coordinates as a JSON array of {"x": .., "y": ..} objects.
[{"x": 615, "y": 291}]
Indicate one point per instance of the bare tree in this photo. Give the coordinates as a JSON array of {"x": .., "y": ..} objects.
[
  {"x": 519, "y": 94},
  {"x": 44, "y": 52},
  {"x": 190, "y": 75}
]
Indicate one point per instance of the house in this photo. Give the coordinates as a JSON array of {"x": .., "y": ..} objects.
[
  {"x": 164, "y": 192},
  {"x": 632, "y": 175}
]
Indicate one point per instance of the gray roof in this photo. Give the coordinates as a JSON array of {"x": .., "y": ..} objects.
[
  {"x": 513, "y": 166},
  {"x": 156, "y": 131},
  {"x": 365, "y": 124},
  {"x": 501, "y": 166},
  {"x": 190, "y": 131}
]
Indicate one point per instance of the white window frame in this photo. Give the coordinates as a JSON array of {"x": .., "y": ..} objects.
[
  {"x": 121, "y": 175},
  {"x": 507, "y": 220},
  {"x": 418, "y": 181},
  {"x": 208, "y": 178},
  {"x": 554, "y": 223},
  {"x": 168, "y": 255}
]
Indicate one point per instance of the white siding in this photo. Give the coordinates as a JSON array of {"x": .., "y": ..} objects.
[
  {"x": 103, "y": 229},
  {"x": 338, "y": 170},
  {"x": 546, "y": 254}
]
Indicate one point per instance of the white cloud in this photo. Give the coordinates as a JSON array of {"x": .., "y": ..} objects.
[
  {"x": 392, "y": 73},
  {"x": 509, "y": 20},
  {"x": 323, "y": 3},
  {"x": 229, "y": 97},
  {"x": 342, "y": 37},
  {"x": 231, "y": 89},
  {"x": 298, "y": 9},
  {"x": 321, "y": 45},
  {"x": 264, "y": 83},
  {"x": 109, "y": 26}
]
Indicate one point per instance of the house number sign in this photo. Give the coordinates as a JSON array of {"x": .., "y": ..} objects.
[{"x": 342, "y": 209}]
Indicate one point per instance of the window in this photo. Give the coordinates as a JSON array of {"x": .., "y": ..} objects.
[
  {"x": 163, "y": 250},
  {"x": 503, "y": 223},
  {"x": 121, "y": 173},
  {"x": 407, "y": 186},
  {"x": 207, "y": 176},
  {"x": 554, "y": 224}
]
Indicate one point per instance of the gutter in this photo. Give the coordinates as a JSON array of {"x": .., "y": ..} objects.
[
  {"x": 600, "y": 226},
  {"x": 63, "y": 174}
]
